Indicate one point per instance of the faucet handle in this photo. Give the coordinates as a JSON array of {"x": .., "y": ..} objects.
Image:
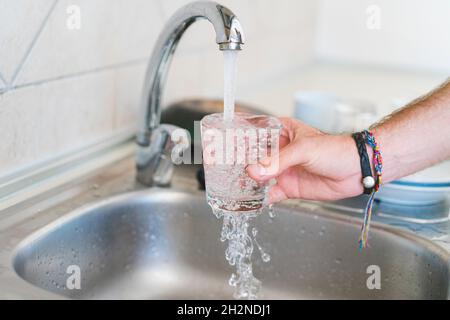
[{"x": 155, "y": 162}]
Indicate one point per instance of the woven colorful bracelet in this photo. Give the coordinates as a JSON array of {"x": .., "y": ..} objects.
[{"x": 378, "y": 168}]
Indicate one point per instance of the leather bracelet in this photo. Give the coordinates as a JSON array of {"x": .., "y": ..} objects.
[{"x": 367, "y": 178}]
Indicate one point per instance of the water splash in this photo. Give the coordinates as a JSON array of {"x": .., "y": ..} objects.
[
  {"x": 235, "y": 231},
  {"x": 271, "y": 212},
  {"x": 264, "y": 255}
]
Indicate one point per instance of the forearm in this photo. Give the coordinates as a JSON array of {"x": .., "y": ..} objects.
[
  {"x": 317, "y": 166},
  {"x": 416, "y": 136}
]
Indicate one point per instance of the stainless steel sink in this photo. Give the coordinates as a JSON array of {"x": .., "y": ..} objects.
[{"x": 164, "y": 243}]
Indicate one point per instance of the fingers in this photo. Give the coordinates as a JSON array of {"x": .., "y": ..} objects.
[
  {"x": 290, "y": 154},
  {"x": 284, "y": 141},
  {"x": 270, "y": 167},
  {"x": 276, "y": 194}
]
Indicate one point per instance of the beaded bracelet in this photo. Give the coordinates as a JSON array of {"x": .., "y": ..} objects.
[{"x": 378, "y": 167}]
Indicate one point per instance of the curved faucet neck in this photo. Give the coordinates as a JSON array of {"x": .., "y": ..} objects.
[{"x": 229, "y": 36}]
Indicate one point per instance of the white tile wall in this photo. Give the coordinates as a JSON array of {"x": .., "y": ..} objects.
[
  {"x": 62, "y": 89},
  {"x": 37, "y": 122},
  {"x": 412, "y": 35},
  {"x": 128, "y": 87},
  {"x": 109, "y": 35},
  {"x": 21, "y": 22}
]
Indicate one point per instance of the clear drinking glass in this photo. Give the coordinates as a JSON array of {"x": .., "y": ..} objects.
[{"x": 228, "y": 148}]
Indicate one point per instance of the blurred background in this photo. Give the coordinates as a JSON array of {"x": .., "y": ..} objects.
[{"x": 71, "y": 71}]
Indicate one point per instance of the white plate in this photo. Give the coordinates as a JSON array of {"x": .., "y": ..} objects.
[
  {"x": 436, "y": 176},
  {"x": 426, "y": 187}
]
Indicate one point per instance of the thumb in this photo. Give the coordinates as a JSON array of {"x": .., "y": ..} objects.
[{"x": 273, "y": 166}]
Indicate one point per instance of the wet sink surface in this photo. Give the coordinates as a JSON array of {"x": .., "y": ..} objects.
[{"x": 164, "y": 244}]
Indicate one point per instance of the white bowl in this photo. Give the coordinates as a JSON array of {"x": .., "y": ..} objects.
[{"x": 426, "y": 187}]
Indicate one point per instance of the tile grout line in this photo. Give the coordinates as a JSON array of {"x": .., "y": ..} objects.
[
  {"x": 33, "y": 43},
  {"x": 81, "y": 73},
  {"x": 248, "y": 87}
]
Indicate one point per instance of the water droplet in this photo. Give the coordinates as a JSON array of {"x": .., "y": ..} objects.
[
  {"x": 233, "y": 280},
  {"x": 271, "y": 211},
  {"x": 265, "y": 257}
]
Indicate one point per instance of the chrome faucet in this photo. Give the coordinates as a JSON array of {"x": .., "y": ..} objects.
[{"x": 155, "y": 145}]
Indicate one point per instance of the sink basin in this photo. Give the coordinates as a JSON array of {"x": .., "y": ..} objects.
[{"x": 164, "y": 244}]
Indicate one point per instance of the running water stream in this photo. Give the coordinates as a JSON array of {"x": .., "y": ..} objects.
[
  {"x": 229, "y": 84},
  {"x": 236, "y": 224}
]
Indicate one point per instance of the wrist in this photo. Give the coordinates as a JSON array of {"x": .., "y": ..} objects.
[{"x": 354, "y": 159}]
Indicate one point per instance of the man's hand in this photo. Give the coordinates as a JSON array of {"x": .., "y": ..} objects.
[
  {"x": 317, "y": 166},
  {"x": 311, "y": 165}
]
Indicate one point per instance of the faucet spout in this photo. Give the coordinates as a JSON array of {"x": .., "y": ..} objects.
[{"x": 229, "y": 36}]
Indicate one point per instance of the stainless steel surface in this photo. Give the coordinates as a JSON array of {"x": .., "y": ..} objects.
[
  {"x": 229, "y": 36},
  {"x": 429, "y": 221},
  {"x": 164, "y": 243}
]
